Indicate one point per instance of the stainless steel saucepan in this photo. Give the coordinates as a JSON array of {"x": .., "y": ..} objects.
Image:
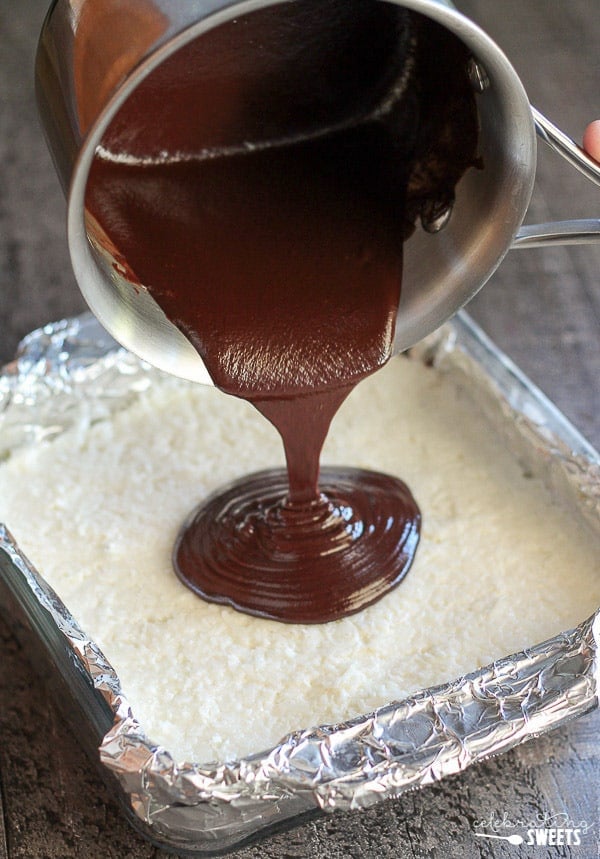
[{"x": 93, "y": 57}]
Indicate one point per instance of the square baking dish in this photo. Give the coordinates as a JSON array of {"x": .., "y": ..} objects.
[{"x": 203, "y": 809}]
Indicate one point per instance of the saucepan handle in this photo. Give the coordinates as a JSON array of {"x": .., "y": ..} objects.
[{"x": 578, "y": 232}]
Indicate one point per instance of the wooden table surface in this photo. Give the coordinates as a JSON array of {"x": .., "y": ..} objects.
[{"x": 542, "y": 307}]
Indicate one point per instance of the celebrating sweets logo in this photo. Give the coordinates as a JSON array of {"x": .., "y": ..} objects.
[{"x": 544, "y": 830}]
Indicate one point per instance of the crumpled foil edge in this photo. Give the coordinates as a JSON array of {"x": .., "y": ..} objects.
[{"x": 399, "y": 747}]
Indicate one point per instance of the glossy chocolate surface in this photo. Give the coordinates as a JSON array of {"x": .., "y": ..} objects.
[{"x": 282, "y": 263}]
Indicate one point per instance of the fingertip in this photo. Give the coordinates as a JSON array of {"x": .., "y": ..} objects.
[{"x": 591, "y": 139}]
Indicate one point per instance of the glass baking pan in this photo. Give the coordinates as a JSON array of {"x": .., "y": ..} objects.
[{"x": 206, "y": 809}]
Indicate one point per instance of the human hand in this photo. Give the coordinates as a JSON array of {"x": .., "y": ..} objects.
[{"x": 591, "y": 139}]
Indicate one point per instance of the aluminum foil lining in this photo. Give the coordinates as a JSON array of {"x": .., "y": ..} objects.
[{"x": 72, "y": 371}]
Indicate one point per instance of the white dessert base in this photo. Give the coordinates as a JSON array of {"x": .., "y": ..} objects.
[{"x": 501, "y": 564}]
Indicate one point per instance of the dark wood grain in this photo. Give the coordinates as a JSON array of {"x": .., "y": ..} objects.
[{"x": 542, "y": 307}]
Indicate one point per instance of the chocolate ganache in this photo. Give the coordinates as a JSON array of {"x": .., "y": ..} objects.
[{"x": 266, "y": 216}]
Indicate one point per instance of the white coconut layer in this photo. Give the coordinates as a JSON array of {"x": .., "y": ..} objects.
[{"x": 500, "y": 566}]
